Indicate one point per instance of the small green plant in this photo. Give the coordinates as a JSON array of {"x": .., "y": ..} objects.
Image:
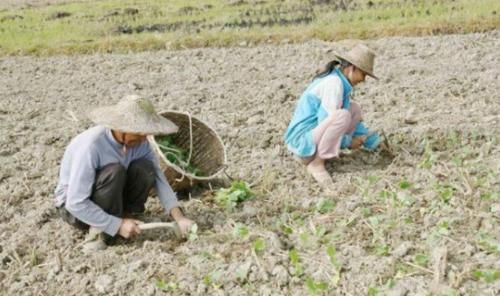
[
  {"x": 315, "y": 287},
  {"x": 449, "y": 292},
  {"x": 382, "y": 250},
  {"x": 428, "y": 158},
  {"x": 391, "y": 283},
  {"x": 295, "y": 260},
  {"x": 240, "y": 231},
  {"x": 372, "y": 291},
  {"x": 213, "y": 279},
  {"x": 325, "y": 205},
  {"x": 421, "y": 260},
  {"x": 258, "y": 245},
  {"x": 487, "y": 275},
  {"x": 488, "y": 243},
  {"x": 445, "y": 192},
  {"x": 285, "y": 229},
  {"x": 443, "y": 227},
  {"x": 230, "y": 197},
  {"x": 404, "y": 184},
  {"x": 331, "y": 251},
  {"x": 166, "y": 286}
]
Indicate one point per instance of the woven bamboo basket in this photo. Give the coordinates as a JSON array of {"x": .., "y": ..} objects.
[{"x": 207, "y": 151}]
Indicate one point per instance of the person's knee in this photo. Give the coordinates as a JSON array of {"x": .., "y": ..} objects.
[
  {"x": 144, "y": 170},
  {"x": 343, "y": 117},
  {"x": 355, "y": 111},
  {"x": 355, "y": 108},
  {"x": 108, "y": 189},
  {"x": 114, "y": 171}
]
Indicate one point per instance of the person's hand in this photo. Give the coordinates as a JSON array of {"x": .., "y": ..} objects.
[
  {"x": 357, "y": 142},
  {"x": 129, "y": 228},
  {"x": 184, "y": 225}
]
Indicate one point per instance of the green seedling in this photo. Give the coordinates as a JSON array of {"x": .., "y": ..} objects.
[
  {"x": 285, "y": 229},
  {"x": 325, "y": 205},
  {"x": 429, "y": 157},
  {"x": 404, "y": 184},
  {"x": 315, "y": 287},
  {"x": 295, "y": 261},
  {"x": 331, "y": 251},
  {"x": 213, "y": 279},
  {"x": 232, "y": 196},
  {"x": 421, "y": 260},
  {"x": 240, "y": 231},
  {"x": 441, "y": 229},
  {"x": 487, "y": 275},
  {"x": 320, "y": 231},
  {"x": 445, "y": 192},
  {"x": 166, "y": 286},
  {"x": 391, "y": 283},
  {"x": 488, "y": 243},
  {"x": 449, "y": 292},
  {"x": 382, "y": 250},
  {"x": 258, "y": 245},
  {"x": 372, "y": 291}
]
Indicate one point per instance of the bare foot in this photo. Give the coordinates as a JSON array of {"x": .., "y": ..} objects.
[{"x": 317, "y": 169}]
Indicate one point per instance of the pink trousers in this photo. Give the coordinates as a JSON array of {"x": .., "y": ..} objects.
[{"x": 328, "y": 134}]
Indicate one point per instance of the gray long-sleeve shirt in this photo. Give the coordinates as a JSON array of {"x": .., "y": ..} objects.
[{"x": 87, "y": 153}]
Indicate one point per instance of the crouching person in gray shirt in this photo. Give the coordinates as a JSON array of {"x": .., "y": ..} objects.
[{"x": 108, "y": 170}]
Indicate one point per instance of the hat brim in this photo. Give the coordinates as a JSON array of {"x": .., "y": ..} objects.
[
  {"x": 367, "y": 72},
  {"x": 154, "y": 125}
]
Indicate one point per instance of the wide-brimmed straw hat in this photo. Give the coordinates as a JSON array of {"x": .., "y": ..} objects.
[
  {"x": 133, "y": 114},
  {"x": 360, "y": 56}
]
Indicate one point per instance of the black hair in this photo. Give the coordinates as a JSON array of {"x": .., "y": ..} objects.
[{"x": 330, "y": 66}]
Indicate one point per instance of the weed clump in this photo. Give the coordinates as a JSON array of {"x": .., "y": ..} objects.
[{"x": 232, "y": 196}]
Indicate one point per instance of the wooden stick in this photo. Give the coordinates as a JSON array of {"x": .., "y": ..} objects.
[{"x": 155, "y": 225}]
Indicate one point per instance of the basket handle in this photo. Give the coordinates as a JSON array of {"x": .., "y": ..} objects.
[
  {"x": 190, "y": 136},
  {"x": 190, "y": 145}
]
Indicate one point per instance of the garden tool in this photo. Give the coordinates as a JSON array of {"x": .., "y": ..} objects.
[
  {"x": 385, "y": 145},
  {"x": 155, "y": 225}
]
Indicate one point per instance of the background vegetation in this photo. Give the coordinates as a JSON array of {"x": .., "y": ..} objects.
[{"x": 137, "y": 25}]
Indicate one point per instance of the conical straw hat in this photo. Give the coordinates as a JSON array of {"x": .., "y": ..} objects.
[
  {"x": 133, "y": 114},
  {"x": 362, "y": 57}
]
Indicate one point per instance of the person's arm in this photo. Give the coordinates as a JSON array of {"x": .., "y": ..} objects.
[
  {"x": 183, "y": 222},
  {"x": 363, "y": 136},
  {"x": 166, "y": 195},
  {"x": 78, "y": 203}
]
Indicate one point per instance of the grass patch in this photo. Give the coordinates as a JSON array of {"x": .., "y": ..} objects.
[{"x": 138, "y": 25}]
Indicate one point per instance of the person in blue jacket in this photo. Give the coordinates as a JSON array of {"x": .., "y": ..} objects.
[{"x": 326, "y": 119}]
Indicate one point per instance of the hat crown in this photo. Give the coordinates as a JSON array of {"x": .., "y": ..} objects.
[
  {"x": 136, "y": 104},
  {"x": 362, "y": 57},
  {"x": 133, "y": 114}
]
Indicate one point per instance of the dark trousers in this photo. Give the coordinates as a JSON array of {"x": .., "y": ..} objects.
[{"x": 118, "y": 190}]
